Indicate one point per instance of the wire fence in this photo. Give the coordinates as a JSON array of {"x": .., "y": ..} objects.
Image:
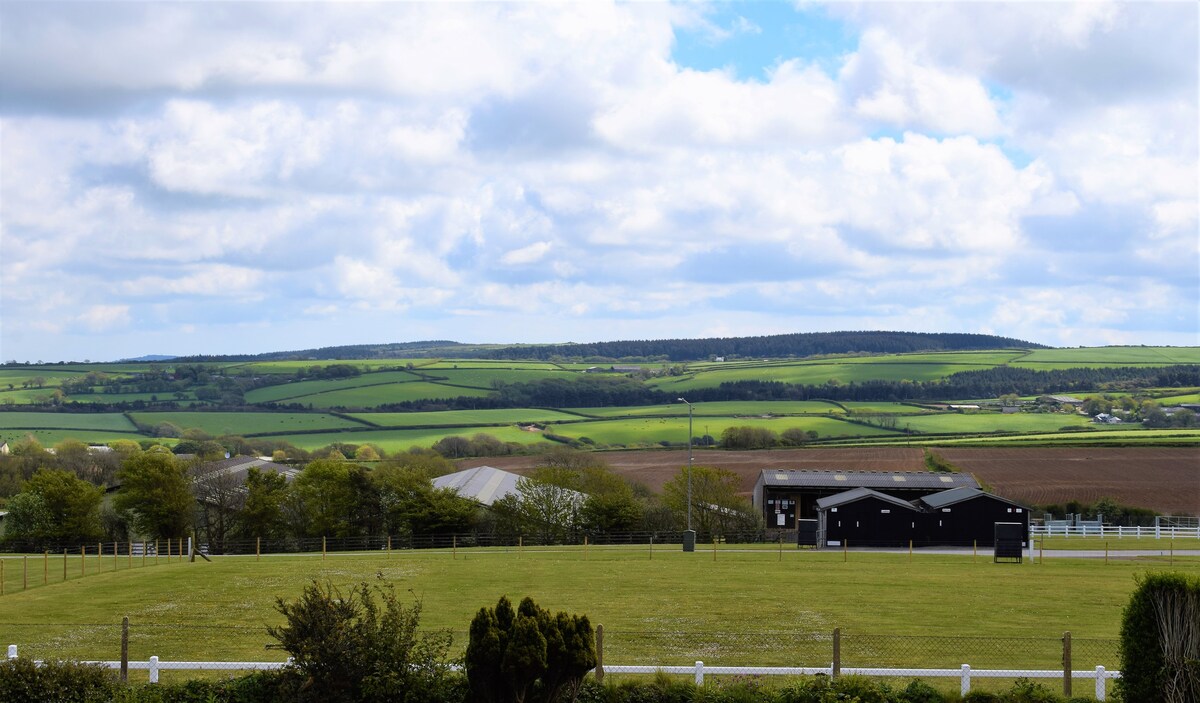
[{"x": 192, "y": 642}]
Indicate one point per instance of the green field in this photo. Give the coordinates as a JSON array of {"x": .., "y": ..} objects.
[
  {"x": 83, "y": 421},
  {"x": 728, "y": 408},
  {"x": 299, "y": 391},
  {"x": 817, "y": 373},
  {"x": 1158, "y": 356},
  {"x": 374, "y": 396},
  {"x": 464, "y": 417},
  {"x": 218, "y": 423},
  {"x": 650, "y": 431},
  {"x": 392, "y": 441},
  {"x": 967, "y": 423},
  {"x": 661, "y": 607}
]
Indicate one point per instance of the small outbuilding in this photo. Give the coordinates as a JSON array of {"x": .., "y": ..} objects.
[
  {"x": 967, "y": 517},
  {"x": 865, "y": 517}
]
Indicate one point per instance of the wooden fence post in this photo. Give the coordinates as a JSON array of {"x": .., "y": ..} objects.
[
  {"x": 125, "y": 649},
  {"x": 64, "y": 564},
  {"x": 600, "y": 654},
  {"x": 46, "y": 568},
  {"x": 25, "y": 573},
  {"x": 82, "y": 560},
  {"x": 1067, "y": 664},
  {"x": 257, "y": 548},
  {"x": 836, "y": 668},
  {"x": 322, "y": 547}
]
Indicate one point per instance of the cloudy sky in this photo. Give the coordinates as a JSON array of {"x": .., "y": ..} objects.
[{"x": 196, "y": 178}]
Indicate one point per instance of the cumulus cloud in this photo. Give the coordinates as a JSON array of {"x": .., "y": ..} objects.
[{"x": 416, "y": 164}]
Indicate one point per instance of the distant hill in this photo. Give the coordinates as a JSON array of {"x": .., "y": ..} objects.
[
  {"x": 774, "y": 346},
  {"x": 431, "y": 348},
  {"x": 149, "y": 357},
  {"x": 802, "y": 344}
]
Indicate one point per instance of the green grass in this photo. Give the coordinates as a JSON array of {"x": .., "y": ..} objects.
[
  {"x": 218, "y": 610},
  {"x": 487, "y": 377},
  {"x": 233, "y": 423},
  {"x": 464, "y": 417},
  {"x": 299, "y": 391},
  {"x": 1116, "y": 544},
  {"x": 1131, "y": 436},
  {"x": 82, "y": 421},
  {"x": 649, "y": 431},
  {"x": 817, "y": 373},
  {"x": 393, "y": 441},
  {"x": 944, "y": 423},
  {"x": 374, "y": 396},
  {"x": 1159, "y": 356},
  {"x": 49, "y": 438},
  {"x": 729, "y": 407}
]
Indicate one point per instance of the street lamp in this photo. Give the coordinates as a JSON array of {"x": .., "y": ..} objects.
[{"x": 689, "y": 492}]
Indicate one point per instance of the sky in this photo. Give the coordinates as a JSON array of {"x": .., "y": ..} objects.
[{"x": 221, "y": 178}]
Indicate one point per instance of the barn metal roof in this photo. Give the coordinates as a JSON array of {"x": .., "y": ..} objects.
[
  {"x": 858, "y": 494},
  {"x": 959, "y": 495},
  {"x": 883, "y": 480},
  {"x": 485, "y": 484}
]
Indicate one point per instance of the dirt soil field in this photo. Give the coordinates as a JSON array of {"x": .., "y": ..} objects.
[{"x": 1165, "y": 479}]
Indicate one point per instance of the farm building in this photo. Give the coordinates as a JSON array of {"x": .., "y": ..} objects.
[
  {"x": 862, "y": 516},
  {"x": 785, "y": 496},
  {"x": 483, "y": 484},
  {"x": 967, "y": 516},
  {"x": 961, "y": 517}
]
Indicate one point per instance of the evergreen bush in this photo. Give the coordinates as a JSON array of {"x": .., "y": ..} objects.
[
  {"x": 527, "y": 655},
  {"x": 1160, "y": 640}
]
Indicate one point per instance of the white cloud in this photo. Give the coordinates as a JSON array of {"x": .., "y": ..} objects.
[
  {"x": 527, "y": 255},
  {"x": 103, "y": 318},
  {"x": 887, "y": 82},
  {"x": 417, "y": 162}
]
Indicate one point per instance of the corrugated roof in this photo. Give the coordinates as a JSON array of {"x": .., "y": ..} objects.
[
  {"x": 485, "y": 484},
  {"x": 858, "y": 494},
  {"x": 958, "y": 495},
  {"x": 866, "y": 479},
  {"x": 241, "y": 465}
]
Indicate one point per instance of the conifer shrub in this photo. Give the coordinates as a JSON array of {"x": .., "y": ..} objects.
[{"x": 527, "y": 655}]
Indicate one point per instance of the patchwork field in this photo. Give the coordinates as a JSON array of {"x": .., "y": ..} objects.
[{"x": 222, "y": 423}]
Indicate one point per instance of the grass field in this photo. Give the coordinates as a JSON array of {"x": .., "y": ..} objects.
[
  {"x": 660, "y": 607},
  {"x": 402, "y": 440},
  {"x": 82, "y": 421},
  {"x": 218, "y": 423},
  {"x": 464, "y": 417},
  {"x": 945, "y": 423},
  {"x": 298, "y": 390},
  {"x": 1115, "y": 355},
  {"x": 728, "y": 408}
]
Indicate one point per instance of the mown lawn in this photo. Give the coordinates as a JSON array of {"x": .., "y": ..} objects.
[{"x": 657, "y": 606}]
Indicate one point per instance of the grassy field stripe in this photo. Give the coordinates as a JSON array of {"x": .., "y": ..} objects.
[
  {"x": 418, "y": 379},
  {"x": 357, "y": 420}
]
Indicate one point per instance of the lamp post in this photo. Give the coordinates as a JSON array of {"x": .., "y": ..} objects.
[{"x": 689, "y": 475}]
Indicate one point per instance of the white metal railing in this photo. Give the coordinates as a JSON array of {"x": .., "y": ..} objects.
[
  {"x": 1117, "y": 531},
  {"x": 964, "y": 673}
]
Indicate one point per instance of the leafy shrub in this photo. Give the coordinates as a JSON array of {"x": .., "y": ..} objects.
[
  {"x": 982, "y": 697},
  {"x": 348, "y": 648},
  {"x": 527, "y": 656},
  {"x": 1160, "y": 640},
  {"x": 917, "y": 691},
  {"x": 1026, "y": 691},
  {"x": 55, "y": 682}
]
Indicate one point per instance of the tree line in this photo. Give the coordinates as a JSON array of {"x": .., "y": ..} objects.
[{"x": 157, "y": 495}]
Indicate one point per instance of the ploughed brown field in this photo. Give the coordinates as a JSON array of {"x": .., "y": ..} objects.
[{"x": 1165, "y": 479}]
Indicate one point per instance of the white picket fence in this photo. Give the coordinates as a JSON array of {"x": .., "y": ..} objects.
[
  {"x": 1116, "y": 531},
  {"x": 965, "y": 673}
]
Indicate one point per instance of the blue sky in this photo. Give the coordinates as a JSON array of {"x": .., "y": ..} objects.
[{"x": 186, "y": 178}]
